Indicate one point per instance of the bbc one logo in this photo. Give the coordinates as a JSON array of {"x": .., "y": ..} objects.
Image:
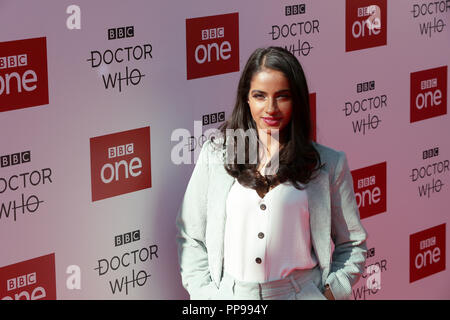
[
  {"x": 212, "y": 45},
  {"x": 120, "y": 163},
  {"x": 366, "y": 24},
  {"x": 427, "y": 252},
  {"x": 29, "y": 280},
  {"x": 23, "y": 74},
  {"x": 428, "y": 94},
  {"x": 369, "y": 184}
]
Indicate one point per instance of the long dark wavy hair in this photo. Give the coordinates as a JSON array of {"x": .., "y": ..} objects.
[{"x": 298, "y": 159}]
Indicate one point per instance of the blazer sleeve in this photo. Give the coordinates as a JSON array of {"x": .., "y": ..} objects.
[
  {"x": 347, "y": 233},
  {"x": 191, "y": 225}
]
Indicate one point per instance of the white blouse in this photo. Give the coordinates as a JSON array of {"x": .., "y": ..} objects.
[{"x": 267, "y": 238}]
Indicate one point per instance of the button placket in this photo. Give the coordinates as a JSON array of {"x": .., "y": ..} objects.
[{"x": 260, "y": 235}]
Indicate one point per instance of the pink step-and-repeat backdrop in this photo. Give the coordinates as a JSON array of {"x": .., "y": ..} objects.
[{"x": 105, "y": 104}]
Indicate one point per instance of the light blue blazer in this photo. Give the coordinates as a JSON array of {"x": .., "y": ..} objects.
[{"x": 333, "y": 212}]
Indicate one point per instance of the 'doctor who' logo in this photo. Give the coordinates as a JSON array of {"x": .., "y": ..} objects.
[
  {"x": 428, "y": 94},
  {"x": 23, "y": 74},
  {"x": 369, "y": 184},
  {"x": 366, "y": 24},
  {"x": 33, "y": 279},
  {"x": 120, "y": 163},
  {"x": 426, "y": 252},
  {"x": 212, "y": 45}
]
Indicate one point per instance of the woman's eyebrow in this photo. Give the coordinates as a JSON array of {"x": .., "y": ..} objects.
[
  {"x": 261, "y": 91},
  {"x": 284, "y": 90},
  {"x": 257, "y": 91}
]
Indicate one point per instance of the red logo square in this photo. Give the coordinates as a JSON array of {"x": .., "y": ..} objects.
[
  {"x": 120, "y": 163},
  {"x": 212, "y": 45},
  {"x": 369, "y": 184},
  {"x": 428, "y": 94},
  {"x": 366, "y": 24},
  {"x": 29, "y": 280},
  {"x": 23, "y": 74},
  {"x": 426, "y": 252}
]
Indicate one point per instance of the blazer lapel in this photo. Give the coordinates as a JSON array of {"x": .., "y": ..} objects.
[
  {"x": 318, "y": 191},
  {"x": 217, "y": 197}
]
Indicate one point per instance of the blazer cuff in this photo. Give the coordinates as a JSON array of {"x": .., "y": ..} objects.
[{"x": 340, "y": 286}]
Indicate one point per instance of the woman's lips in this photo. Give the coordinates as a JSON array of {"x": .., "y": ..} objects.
[{"x": 272, "y": 121}]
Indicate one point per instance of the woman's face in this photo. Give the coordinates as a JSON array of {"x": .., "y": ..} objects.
[{"x": 270, "y": 100}]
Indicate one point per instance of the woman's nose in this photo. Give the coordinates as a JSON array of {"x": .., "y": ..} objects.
[{"x": 271, "y": 106}]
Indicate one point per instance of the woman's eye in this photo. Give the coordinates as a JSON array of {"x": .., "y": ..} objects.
[{"x": 258, "y": 96}]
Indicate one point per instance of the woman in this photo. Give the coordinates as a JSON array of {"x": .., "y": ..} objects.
[{"x": 263, "y": 229}]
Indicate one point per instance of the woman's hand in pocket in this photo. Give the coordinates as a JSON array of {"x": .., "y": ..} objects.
[{"x": 328, "y": 294}]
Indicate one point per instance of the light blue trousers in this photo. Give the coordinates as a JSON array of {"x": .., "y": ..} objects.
[{"x": 299, "y": 285}]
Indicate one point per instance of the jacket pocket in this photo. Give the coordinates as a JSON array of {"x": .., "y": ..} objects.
[{"x": 207, "y": 292}]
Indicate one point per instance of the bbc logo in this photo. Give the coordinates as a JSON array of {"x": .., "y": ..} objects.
[
  {"x": 15, "y": 158},
  {"x": 428, "y": 84},
  {"x": 365, "y": 86},
  {"x": 365, "y": 11},
  {"x": 120, "y": 33},
  {"x": 213, "y": 118},
  {"x": 214, "y": 33},
  {"x": 431, "y": 242},
  {"x": 294, "y": 9},
  {"x": 366, "y": 182},
  {"x": 120, "y": 151},
  {"x": 127, "y": 238},
  {"x": 21, "y": 281},
  {"x": 13, "y": 61},
  {"x": 430, "y": 153}
]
